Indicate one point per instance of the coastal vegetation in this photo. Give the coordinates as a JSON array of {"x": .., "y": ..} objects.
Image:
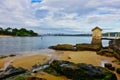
[{"x": 17, "y": 32}]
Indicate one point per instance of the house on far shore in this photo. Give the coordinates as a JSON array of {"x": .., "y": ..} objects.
[{"x": 96, "y": 36}]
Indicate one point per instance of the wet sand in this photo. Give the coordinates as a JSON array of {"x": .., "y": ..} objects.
[
  {"x": 28, "y": 61},
  {"x": 2, "y": 62}
]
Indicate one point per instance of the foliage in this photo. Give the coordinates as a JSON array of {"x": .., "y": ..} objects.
[{"x": 17, "y": 32}]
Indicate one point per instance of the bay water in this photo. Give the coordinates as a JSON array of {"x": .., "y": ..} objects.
[{"x": 11, "y": 45}]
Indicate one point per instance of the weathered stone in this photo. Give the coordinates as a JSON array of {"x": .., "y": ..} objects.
[
  {"x": 118, "y": 70},
  {"x": 35, "y": 78},
  {"x": 88, "y": 47},
  {"x": 115, "y": 45},
  {"x": 81, "y": 71},
  {"x": 63, "y": 47},
  {"x": 106, "y": 52},
  {"x": 107, "y": 65},
  {"x": 111, "y": 68},
  {"x": 11, "y": 71}
]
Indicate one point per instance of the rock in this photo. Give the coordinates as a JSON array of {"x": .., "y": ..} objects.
[
  {"x": 115, "y": 45},
  {"x": 89, "y": 47},
  {"x": 106, "y": 52},
  {"x": 35, "y": 78},
  {"x": 118, "y": 70},
  {"x": 11, "y": 71},
  {"x": 81, "y": 71},
  {"x": 10, "y": 68},
  {"x": 35, "y": 66},
  {"x": 112, "y": 68},
  {"x": 107, "y": 65},
  {"x": 12, "y": 55},
  {"x": 63, "y": 47}
]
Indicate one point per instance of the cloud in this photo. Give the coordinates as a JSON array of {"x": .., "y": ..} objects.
[{"x": 61, "y": 15}]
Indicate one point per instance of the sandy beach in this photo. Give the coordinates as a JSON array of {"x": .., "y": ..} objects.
[
  {"x": 2, "y": 36},
  {"x": 88, "y": 57},
  {"x": 28, "y": 61}
]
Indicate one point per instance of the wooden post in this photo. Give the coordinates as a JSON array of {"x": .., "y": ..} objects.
[
  {"x": 115, "y": 36},
  {"x": 108, "y": 35}
]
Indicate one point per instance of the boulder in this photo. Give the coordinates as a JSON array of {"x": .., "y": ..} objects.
[
  {"x": 35, "y": 78},
  {"x": 118, "y": 70},
  {"x": 63, "y": 47},
  {"x": 89, "y": 47},
  {"x": 115, "y": 45},
  {"x": 81, "y": 71},
  {"x": 11, "y": 71},
  {"x": 107, "y": 65},
  {"x": 106, "y": 52},
  {"x": 112, "y": 68}
]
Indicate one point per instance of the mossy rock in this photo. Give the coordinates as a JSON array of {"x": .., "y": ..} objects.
[
  {"x": 35, "y": 78},
  {"x": 118, "y": 70},
  {"x": 3, "y": 56},
  {"x": 89, "y": 47},
  {"x": 63, "y": 47},
  {"x": 52, "y": 71},
  {"x": 12, "y": 55},
  {"x": 106, "y": 52},
  {"x": 81, "y": 71}
]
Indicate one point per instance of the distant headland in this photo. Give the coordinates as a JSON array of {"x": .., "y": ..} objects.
[{"x": 17, "y": 32}]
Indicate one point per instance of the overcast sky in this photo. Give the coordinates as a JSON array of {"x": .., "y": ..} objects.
[{"x": 61, "y": 16}]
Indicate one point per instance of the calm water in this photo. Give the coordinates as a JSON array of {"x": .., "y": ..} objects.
[{"x": 24, "y": 44}]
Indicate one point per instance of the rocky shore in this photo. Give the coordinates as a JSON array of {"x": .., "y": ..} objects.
[{"x": 74, "y": 62}]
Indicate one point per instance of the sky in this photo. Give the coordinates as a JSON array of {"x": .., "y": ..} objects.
[{"x": 61, "y": 16}]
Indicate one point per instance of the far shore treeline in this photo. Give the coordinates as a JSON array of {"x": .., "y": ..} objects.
[{"x": 17, "y": 32}]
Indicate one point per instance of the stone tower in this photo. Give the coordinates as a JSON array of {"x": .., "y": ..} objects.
[{"x": 96, "y": 36}]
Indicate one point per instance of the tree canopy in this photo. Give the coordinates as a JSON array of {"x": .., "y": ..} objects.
[{"x": 17, "y": 32}]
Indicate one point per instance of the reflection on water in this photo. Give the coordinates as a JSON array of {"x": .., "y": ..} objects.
[{"x": 22, "y": 44}]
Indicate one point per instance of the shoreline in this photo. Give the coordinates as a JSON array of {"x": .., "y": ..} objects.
[{"x": 4, "y": 36}]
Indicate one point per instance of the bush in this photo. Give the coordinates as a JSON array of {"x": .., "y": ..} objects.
[{"x": 63, "y": 47}]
